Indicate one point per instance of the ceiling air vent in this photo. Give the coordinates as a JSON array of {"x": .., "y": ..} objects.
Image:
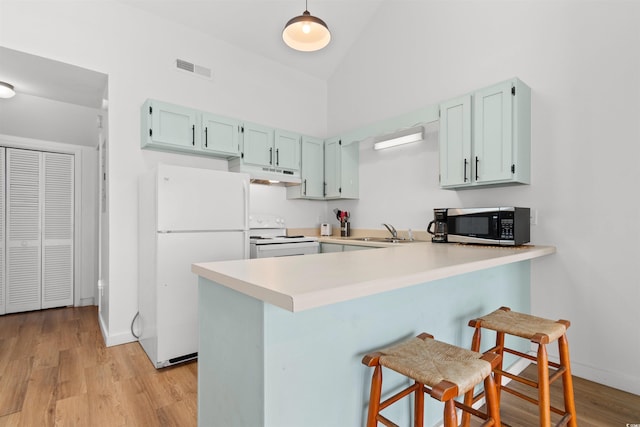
[{"x": 192, "y": 68}]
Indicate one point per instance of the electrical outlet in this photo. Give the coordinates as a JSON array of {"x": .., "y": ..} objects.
[{"x": 533, "y": 217}]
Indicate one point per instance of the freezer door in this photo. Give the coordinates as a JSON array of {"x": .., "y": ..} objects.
[
  {"x": 177, "y": 309},
  {"x": 191, "y": 199}
]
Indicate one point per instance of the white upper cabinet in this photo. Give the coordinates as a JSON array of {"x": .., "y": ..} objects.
[
  {"x": 485, "y": 137},
  {"x": 220, "y": 135}
]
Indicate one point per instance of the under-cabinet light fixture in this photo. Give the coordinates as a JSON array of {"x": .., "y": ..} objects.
[
  {"x": 405, "y": 136},
  {"x": 6, "y": 90},
  {"x": 306, "y": 32}
]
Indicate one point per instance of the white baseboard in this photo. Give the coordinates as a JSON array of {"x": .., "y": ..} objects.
[{"x": 620, "y": 381}]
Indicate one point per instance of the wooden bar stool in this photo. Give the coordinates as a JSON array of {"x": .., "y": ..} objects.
[
  {"x": 542, "y": 332},
  {"x": 442, "y": 370}
]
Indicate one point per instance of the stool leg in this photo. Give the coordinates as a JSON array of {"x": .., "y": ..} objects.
[
  {"x": 450, "y": 416},
  {"x": 468, "y": 397},
  {"x": 419, "y": 406},
  {"x": 543, "y": 387},
  {"x": 374, "y": 398},
  {"x": 567, "y": 381},
  {"x": 491, "y": 394},
  {"x": 498, "y": 375}
]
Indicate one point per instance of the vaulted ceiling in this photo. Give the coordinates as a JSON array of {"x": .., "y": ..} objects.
[{"x": 256, "y": 26}]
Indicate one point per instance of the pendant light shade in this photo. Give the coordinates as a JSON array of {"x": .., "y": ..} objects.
[
  {"x": 6, "y": 90},
  {"x": 306, "y": 33}
]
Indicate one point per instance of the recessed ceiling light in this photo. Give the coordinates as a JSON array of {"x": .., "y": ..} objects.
[{"x": 6, "y": 90}]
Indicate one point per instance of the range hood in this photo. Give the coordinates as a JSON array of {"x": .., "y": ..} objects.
[{"x": 266, "y": 174}]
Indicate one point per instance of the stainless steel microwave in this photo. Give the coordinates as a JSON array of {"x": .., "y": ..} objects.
[{"x": 508, "y": 226}]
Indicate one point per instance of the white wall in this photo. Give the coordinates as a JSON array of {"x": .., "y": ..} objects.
[
  {"x": 138, "y": 52},
  {"x": 40, "y": 118},
  {"x": 581, "y": 60}
]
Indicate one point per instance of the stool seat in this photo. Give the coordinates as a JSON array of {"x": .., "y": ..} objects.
[
  {"x": 430, "y": 362},
  {"x": 441, "y": 370},
  {"x": 524, "y": 325},
  {"x": 539, "y": 331}
]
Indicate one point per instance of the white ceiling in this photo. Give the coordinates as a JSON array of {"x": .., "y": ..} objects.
[
  {"x": 46, "y": 78},
  {"x": 256, "y": 26}
]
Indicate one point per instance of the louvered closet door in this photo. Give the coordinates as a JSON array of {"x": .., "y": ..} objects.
[
  {"x": 57, "y": 233},
  {"x": 3, "y": 297},
  {"x": 23, "y": 230}
]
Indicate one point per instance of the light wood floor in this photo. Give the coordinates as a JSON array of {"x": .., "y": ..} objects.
[{"x": 55, "y": 370}]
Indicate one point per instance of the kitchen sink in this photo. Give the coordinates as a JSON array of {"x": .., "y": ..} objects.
[{"x": 381, "y": 239}]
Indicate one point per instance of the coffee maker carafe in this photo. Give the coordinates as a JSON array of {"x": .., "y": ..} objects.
[{"x": 439, "y": 224}]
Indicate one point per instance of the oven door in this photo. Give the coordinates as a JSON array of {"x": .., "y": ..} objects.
[{"x": 283, "y": 249}]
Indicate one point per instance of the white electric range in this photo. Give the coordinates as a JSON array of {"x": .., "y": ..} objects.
[{"x": 268, "y": 238}]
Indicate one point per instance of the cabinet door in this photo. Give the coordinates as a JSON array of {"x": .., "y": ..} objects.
[
  {"x": 493, "y": 137},
  {"x": 332, "y": 168},
  {"x": 220, "y": 135},
  {"x": 258, "y": 145},
  {"x": 23, "y": 230},
  {"x": 455, "y": 142},
  {"x": 287, "y": 150},
  {"x": 57, "y": 230},
  {"x": 173, "y": 125},
  {"x": 312, "y": 171},
  {"x": 349, "y": 170}
]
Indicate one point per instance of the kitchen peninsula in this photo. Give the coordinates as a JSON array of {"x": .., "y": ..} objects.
[{"x": 281, "y": 339}]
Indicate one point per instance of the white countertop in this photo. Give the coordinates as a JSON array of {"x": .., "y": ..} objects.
[{"x": 303, "y": 282}]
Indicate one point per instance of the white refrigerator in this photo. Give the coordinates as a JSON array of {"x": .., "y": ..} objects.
[{"x": 186, "y": 215}]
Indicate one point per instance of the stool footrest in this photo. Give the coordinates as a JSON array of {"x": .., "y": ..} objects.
[
  {"x": 532, "y": 400},
  {"x": 399, "y": 395},
  {"x": 386, "y": 421}
]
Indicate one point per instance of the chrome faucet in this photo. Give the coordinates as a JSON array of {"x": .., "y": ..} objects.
[{"x": 392, "y": 230}]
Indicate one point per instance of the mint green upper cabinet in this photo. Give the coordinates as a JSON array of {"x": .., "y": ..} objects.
[
  {"x": 287, "y": 150},
  {"x": 168, "y": 126},
  {"x": 493, "y": 136},
  {"x": 257, "y": 145},
  {"x": 485, "y": 137},
  {"x": 312, "y": 168},
  {"x": 341, "y": 169},
  {"x": 455, "y": 142},
  {"x": 332, "y": 168},
  {"x": 220, "y": 135}
]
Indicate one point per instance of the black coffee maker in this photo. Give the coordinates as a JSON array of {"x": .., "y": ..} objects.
[{"x": 439, "y": 224}]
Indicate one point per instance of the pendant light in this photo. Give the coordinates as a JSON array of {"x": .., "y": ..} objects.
[
  {"x": 306, "y": 32},
  {"x": 6, "y": 90}
]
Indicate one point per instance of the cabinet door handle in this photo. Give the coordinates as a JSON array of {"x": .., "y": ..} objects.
[
  {"x": 477, "y": 168},
  {"x": 193, "y": 135},
  {"x": 305, "y": 187},
  {"x": 277, "y": 157},
  {"x": 206, "y": 137},
  {"x": 270, "y": 156},
  {"x": 465, "y": 170},
  {"x": 324, "y": 190}
]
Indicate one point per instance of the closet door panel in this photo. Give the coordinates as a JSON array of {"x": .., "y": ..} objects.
[
  {"x": 57, "y": 233},
  {"x": 23, "y": 242},
  {"x": 3, "y": 297}
]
